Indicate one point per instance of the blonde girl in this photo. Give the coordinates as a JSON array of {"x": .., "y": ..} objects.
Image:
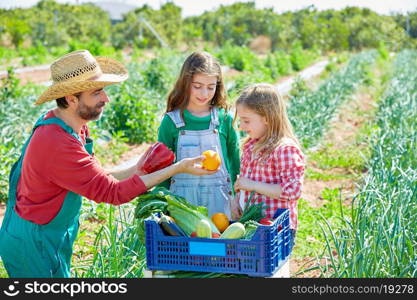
[
  {"x": 196, "y": 120},
  {"x": 272, "y": 163}
]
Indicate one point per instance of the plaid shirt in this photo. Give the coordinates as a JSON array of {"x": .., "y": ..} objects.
[{"x": 284, "y": 166}]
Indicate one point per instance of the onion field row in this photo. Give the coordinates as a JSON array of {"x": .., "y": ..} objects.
[{"x": 379, "y": 237}]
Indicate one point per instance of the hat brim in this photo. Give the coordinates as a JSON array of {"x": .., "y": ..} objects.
[{"x": 113, "y": 72}]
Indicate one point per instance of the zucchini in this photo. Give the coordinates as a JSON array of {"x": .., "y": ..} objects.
[
  {"x": 203, "y": 229},
  {"x": 234, "y": 231}
]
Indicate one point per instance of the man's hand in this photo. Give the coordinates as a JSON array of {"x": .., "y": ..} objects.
[
  {"x": 139, "y": 164},
  {"x": 193, "y": 166}
]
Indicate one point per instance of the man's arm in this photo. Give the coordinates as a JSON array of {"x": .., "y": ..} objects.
[
  {"x": 125, "y": 173},
  {"x": 187, "y": 165}
]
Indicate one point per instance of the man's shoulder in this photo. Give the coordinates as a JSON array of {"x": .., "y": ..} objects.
[{"x": 53, "y": 135}]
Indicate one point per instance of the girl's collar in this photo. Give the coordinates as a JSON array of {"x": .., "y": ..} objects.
[{"x": 189, "y": 115}]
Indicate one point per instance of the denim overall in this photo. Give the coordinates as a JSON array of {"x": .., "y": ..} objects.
[
  {"x": 31, "y": 250},
  {"x": 211, "y": 191}
]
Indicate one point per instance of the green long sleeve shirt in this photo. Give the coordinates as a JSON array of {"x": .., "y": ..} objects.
[{"x": 168, "y": 134}]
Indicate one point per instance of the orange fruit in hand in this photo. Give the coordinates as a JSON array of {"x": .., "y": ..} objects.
[
  {"x": 221, "y": 221},
  {"x": 211, "y": 161}
]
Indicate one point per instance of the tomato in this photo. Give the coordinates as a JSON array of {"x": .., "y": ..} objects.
[
  {"x": 266, "y": 221},
  {"x": 215, "y": 235},
  {"x": 193, "y": 234}
]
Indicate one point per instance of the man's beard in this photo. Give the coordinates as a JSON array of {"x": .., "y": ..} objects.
[{"x": 89, "y": 113}]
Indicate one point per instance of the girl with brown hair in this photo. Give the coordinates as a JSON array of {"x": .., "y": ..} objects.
[{"x": 196, "y": 120}]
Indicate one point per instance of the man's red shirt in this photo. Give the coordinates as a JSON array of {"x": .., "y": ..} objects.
[{"x": 55, "y": 163}]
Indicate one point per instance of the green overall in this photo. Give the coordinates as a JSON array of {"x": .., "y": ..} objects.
[{"x": 31, "y": 250}]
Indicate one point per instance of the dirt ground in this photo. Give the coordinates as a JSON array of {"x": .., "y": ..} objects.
[{"x": 38, "y": 74}]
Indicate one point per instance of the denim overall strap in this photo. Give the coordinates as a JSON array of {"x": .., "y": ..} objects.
[
  {"x": 214, "y": 123},
  {"x": 32, "y": 250},
  {"x": 212, "y": 191},
  {"x": 176, "y": 117}
]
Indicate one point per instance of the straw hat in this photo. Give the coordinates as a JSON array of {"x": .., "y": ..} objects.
[{"x": 79, "y": 71}]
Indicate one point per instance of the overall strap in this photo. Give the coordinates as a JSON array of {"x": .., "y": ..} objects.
[
  {"x": 61, "y": 123},
  {"x": 176, "y": 117},
  {"x": 214, "y": 122}
]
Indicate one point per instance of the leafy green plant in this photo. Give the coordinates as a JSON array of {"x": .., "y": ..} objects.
[
  {"x": 300, "y": 58},
  {"x": 328, "y": 157},
  {"x": 117, "y": 251},
  {"x": 239, "y": 58},
  {"x": 3, "y": 272},
  {"x": 9, "y": 87},
  {"x": 310, "y": 237},
  {"x": 299, "y": 87},
  {"x": 382, "y": 50},
  {"x": 132, "y": 112},
  {"x": 279, "y": 63},
  {"x": 17, "y": 116}
]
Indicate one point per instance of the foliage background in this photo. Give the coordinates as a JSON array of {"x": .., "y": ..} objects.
[{"x": 50, "y": 27}]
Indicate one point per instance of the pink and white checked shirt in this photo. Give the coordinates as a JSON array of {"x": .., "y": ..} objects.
[{"x": 285, "y": 166}]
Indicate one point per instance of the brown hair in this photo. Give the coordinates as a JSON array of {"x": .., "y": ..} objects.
[
  {"x": 62, "y": 102},
  {"x": 197, "y": 62},
  {"x": 265, "y": 100}
]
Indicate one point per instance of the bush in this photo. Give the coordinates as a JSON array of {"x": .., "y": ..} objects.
[
  {"x": 299, "y": 88},
  {"x": 382, "y": 50},
  {"x": 239, "y": 58},
  {"x": 279, "y": 63},
  {"x": 9, "y": 87},
  {"x": 132, "y": 111}
]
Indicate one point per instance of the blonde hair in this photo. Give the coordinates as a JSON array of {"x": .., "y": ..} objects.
[
  {"x": 264, "y": 100},
  {"x": 197, "y": 63}
]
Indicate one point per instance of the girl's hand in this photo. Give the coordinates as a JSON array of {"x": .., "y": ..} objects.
[
  {"x": 235, "y": 209},
  {"x": 243, "y": 183}
]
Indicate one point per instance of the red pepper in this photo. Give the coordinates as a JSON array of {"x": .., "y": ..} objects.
[
  {"x": 266, "y": 221},
  {"x": 157, "y": 157}
]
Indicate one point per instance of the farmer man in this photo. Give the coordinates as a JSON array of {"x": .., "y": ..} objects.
[{"x": 57, "y": 168}]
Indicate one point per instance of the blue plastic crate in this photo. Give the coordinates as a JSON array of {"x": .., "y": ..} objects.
[{"x": 261, "y": 256}]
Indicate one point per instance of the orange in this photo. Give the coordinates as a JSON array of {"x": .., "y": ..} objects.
[
  {"x": 211, "y": 161},
  {"x": 221, "y": 221}
]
